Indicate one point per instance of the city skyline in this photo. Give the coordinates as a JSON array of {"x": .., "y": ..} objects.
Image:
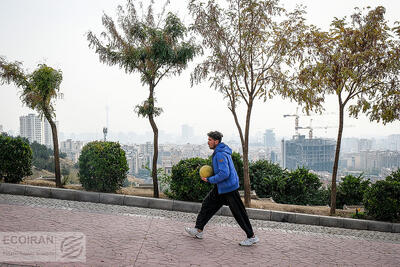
[
  {"x": 55, "y": 35},
  {"x": 374, "y": 157},
  {"x": 165, "y": 138}
]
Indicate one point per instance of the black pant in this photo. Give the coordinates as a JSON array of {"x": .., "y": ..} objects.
[{"x": 214, "y": 201}]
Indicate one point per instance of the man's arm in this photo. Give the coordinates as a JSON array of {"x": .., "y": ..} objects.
[{"x": 223, "y": 168}]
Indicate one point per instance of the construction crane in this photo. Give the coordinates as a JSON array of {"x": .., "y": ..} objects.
[
  {"x": 296, "y": 121},
  {"x": 311, "y": 128}
]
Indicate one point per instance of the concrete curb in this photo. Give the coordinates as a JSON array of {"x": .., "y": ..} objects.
[{"x": 176, "y": 205}]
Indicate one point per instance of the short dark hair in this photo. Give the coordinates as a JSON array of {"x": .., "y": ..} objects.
[{"x": 215, "y": 135}]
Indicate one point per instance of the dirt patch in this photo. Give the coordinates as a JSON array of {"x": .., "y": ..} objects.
[
  {"x": 316, "y": 210},
  {"x": 39, "y": 182},
  {"x": 141, "y": 192}
]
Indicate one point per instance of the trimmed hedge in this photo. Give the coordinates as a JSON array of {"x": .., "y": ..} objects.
[
  {"x": 382, "y": 199},
  {"x": 102, "y": 166},
  {"x": 266, "y": 178},
  {"x": 351, "y": 190},
  {"x": 185, "y": 182},
  {"x": 15, "y": 159},
  {"x": 301, "y": 187}
]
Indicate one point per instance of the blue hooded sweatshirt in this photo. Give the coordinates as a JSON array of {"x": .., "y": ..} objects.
[{"x": 225, "y": 175}]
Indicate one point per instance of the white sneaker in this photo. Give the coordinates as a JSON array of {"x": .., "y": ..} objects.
[
  {"x": 249, "y": 241},
  {"x": 193, "y": 232}
]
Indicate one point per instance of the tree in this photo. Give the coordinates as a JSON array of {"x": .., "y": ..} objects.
[
  {"x": 42, "y": 157},
  {"x": 39, "y": 89},
  {"x": 248, "y": 49},
  {"x": 153, "y": 49},
  {"x": 358, "y": 61},
  {"x": 40, "y": 151},
  {"x": 15, "y": 159}
]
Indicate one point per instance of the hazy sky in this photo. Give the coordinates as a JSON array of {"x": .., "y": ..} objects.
[{"x": 53, "y": 32}]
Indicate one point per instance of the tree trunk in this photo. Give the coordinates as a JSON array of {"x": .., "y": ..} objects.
[
  {"x": 336, "y": 162},
  {"x": 56, "y": 151},
  {"x": 155, "y": 147},
  {"x": 155, "y": 157},
  {"x": 245, "y": 146},
  {"x": 246, "y": 176}
]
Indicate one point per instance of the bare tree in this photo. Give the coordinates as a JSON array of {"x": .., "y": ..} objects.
[{"x": 251, "y": 48}]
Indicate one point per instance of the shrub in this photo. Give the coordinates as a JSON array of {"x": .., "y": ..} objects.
[
  {"x": 266, "y": 178},
  {"x": 321, "y": 197},
  {"x": 302, "y": 187},
  {"x": 382, "y": 199},
  {"x": 394, "y": 176},
  {"x": 238, "y": 163},
  {"x": 351, "y": 190},
  {"x": 164, "y": 180},
  {"x": 185, "y": 183},
  {"x": 102, "y": 166},
  {"x": 15, "y": 159},
  {"x": 296, "y": 187}
]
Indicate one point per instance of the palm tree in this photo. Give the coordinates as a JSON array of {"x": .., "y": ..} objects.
[{"x": 39, "y": 89}]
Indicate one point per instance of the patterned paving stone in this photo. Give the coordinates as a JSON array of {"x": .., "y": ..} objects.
[{"x": 128, "y": 236}]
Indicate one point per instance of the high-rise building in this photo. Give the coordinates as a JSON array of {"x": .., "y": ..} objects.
[
  {"x": 273, "y": 157},
  {"x": 269, "y": 138},
  {"x": 394, "y": 142},
  {"x": 364, "y": 145},
  {"x": 315, "y": 154},
  {"x": 47, "y": 134},
  {"x": 187, "y": 133},
  {"x": 1, "y": 128},
  {"x": 31, "y": 127},
  {"x": 147, "y": 151},
  {"x": 376, "y": 160},
  {"x": 349, "y": 145},
  {"x": 72, "y": 149},
  {"x": 36, "y": 129}
]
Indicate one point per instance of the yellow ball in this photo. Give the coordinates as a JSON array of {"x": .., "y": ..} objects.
[{"x": 206, "y": 171}]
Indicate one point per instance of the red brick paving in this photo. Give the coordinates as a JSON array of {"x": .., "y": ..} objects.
[{"x": 118, "y": 240}]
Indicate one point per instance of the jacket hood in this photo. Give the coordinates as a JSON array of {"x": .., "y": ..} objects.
[{"x": 221, "y": 147}]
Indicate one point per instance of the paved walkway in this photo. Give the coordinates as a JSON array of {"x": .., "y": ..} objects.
[{"x": 134, "y": 239}]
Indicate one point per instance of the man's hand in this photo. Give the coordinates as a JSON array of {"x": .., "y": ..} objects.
[{"x": 204, "y": 179}]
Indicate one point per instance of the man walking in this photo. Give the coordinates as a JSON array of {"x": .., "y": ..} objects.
[{"x": 225, "y": 192}]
